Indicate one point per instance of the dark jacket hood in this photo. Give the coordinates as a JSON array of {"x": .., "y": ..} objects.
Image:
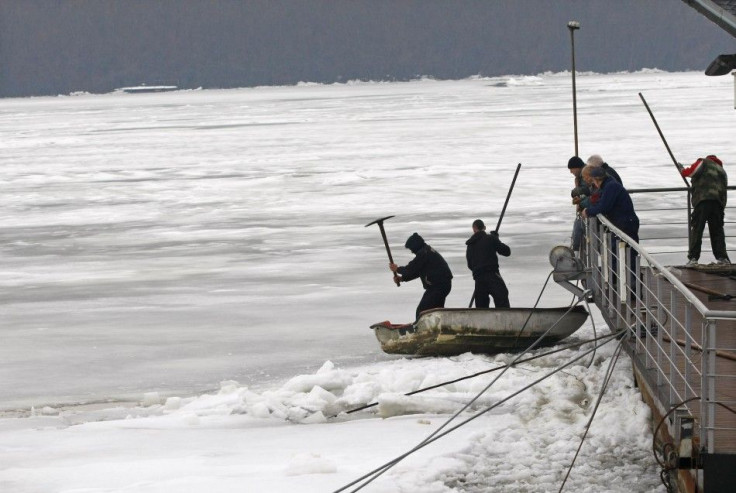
[{"x": 414, "y": 243}]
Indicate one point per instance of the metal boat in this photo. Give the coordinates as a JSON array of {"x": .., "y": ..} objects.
[{"x": 453, "y": 331}]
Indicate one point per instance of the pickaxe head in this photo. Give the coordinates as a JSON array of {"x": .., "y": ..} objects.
[
  {"x": 383, "y": 235},
  {"x": 379, "y": 221}
]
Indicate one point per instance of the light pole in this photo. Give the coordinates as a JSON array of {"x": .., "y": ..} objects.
[{"x": 574, "y": 26}]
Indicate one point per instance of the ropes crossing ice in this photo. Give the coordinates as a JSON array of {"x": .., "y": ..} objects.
[{"x": 439, "y": 433}]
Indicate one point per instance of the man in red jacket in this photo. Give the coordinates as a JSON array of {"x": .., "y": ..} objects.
[{"x": 709, "y": 188}]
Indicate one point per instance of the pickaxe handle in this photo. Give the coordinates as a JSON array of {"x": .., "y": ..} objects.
[
  {"x": 388, "y": 249},
  {"x": 385, "y": 240}
]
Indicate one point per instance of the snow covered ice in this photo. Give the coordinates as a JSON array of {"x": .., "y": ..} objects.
[{"x": 187, "y": 283}]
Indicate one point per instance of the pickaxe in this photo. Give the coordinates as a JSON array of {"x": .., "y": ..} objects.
[{"x": 383, "y": 235}]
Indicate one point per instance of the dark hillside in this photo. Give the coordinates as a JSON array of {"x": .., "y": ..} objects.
[{"x": 57, "y": 47}]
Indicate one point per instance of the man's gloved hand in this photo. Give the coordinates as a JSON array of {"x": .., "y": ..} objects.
[
  {"x": 494, "y": 234},
  {"x": 680, "y": 166}
]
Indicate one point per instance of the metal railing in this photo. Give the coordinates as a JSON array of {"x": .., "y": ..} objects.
[
  {"x": 672, "y": 335},
  {"x": 648, "y": 202}
]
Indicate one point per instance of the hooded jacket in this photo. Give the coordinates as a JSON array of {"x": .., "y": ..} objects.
[
  {"x": 481, "y": 253},
  {"x": 427, "y": 264}
]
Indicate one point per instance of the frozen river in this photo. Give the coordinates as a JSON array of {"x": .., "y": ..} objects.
[{"x": 166, "y": 242}]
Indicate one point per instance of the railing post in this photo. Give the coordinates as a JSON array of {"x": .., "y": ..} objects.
[
  {"x": 673, "y": 353},
  {"x": 708, "y": 392},
  {"x": 689, "y": 348},
  {"x": 622, "y": 267}
]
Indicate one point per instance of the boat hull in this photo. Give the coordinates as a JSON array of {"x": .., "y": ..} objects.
[{"x": 453, "y": 331}]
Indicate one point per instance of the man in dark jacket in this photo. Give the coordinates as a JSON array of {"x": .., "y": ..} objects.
[
  {"x": 431, "y": 268},
  {"x": 581, "y": 190},
  {"x": 709, "y": 188},
  {"x": 483, "y": 262},
  {"x": 614, "y": 203}
]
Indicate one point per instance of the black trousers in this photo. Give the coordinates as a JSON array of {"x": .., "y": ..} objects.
[
  {"x": 710, "y": 212},
  {"x": 491, "y": 284},
  {"x": 434, "y": 297}
]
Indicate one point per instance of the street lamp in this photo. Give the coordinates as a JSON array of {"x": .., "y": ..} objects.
[{"x": 574, "y": 26}]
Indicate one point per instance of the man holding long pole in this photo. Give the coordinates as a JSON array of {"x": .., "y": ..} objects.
[
  {"x": 483, "y": 262},
  {"x": 709, "y": 194}
]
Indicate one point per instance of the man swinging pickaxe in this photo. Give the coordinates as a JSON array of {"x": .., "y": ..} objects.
[{"x": 385, "y": 241}]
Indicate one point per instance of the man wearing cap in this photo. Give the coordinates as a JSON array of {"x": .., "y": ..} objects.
[
  {"x": 709, "y": 189},
  {"x": 579, "y": 193},
  {"x": 483, "y": 262},
  {"x": 431, "y": 268}
]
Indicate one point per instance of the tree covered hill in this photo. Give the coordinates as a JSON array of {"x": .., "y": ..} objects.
[{"x": 58, "y": 47}]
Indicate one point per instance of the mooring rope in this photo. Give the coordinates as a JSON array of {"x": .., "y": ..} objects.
[
  {"x": 436, "y": 434},
  {"x": 491, "y": 370},
  {"x": 544, "y": 287},
  {"x": 374, "y": 474},
  {"x": 509, "y": 365},
  {"x": 604, "y": 385}
]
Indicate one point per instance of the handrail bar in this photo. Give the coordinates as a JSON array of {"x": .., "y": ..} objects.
[
  {"x": 704, "y": 311},
  {"x": 670, "y": 189}
]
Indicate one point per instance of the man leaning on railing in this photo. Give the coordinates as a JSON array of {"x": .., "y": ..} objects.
[{"x": 615, "y": 204}]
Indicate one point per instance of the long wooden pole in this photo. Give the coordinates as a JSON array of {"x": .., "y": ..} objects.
[
  {"x": 508, "y": 196},
  {"x": 677, "y": 165},
  {"x": 503, "y": 212}
]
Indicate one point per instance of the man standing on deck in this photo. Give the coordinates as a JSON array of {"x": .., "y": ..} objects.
[
  {"x": 431, "y": 268},
  {"x": 709, "y": 189},
  {"x": 483, "y": 262}
]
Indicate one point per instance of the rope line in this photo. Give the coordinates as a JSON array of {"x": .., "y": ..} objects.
[
  {"x": 375, "y": 473},
  {"x": 534, "y": 308},
  {"x": 604, "y": 385},
  {"x": 496, "y": 368},
  {"x": 428, "y": 439}
]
